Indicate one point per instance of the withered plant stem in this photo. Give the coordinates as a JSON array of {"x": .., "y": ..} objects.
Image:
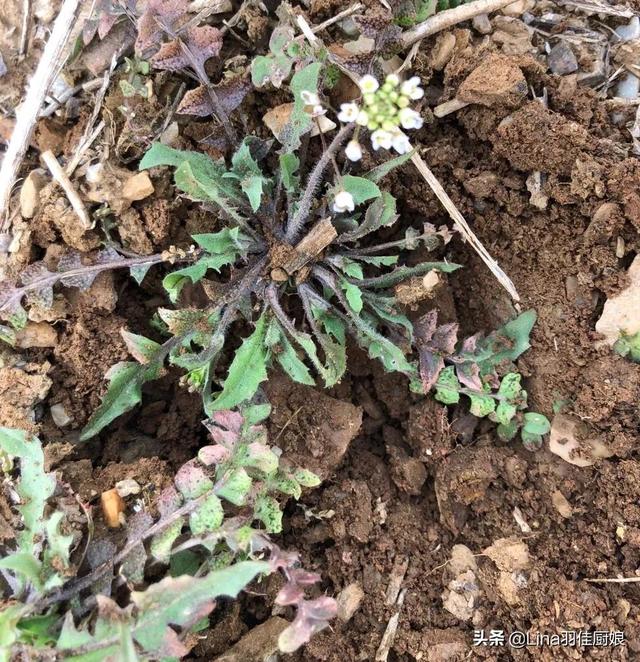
[{"x": 315, "y": 178}]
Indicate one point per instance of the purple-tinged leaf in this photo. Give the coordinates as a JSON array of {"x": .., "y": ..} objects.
[
  {"x": 72, "y": 261},
  {"x": 202, "y": 43},
  {"x": 192, "y": 480},
  {"x": 158, "y": 15},
  {"x": 290, "y": 594},
  {"x": 231, "y": 420},
  {"x": 169, "y": 501},
  {"x": 216, "y": 454},
  {"x": 133, "y": 566},
  {"x": 469, "y": 374},
  {"x": 445, "y": 338},
  {"x": 312, "y": 617},
  {"x": 230, "y": 92},
  {"x": 142, "y": 349},
  {"x": 431, "y": 365},
  {"x": 425, "y": 327}
]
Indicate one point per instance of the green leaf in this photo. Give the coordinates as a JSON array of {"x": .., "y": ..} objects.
[
  {"x": 505, "y": 411},
  {"x": 380, "y": 213},
  {"x": 227, "y": 240},
  {"x": 162, "y": 543},
  {"x": 176, "y": 280},
  {"x": 289, "y": 164},
  {"x": 507, "y": 343},
  {"x": 35, "y": 486},
  {"x": 507, "y": 431},
  {"x": 353, "y": 294},
  {"x": 287, "y": 485},
  {"x": 208, "y": 516},
  {"x": 142, "y": 349},
  {"x": 536, "y": 424},
  {"x": 351, "y": 268},
  {"x": 267, "y": 510},
  {"x": 255, "y": 414},
  {"x": 26, "y": 565},
  {"x": 300, "y": 122},
  {"x": 448, "y": 387},
  {"x": 361, "y": 189},
  {"x": 380, "y": 260},
  {"x": 235, "y": 487},
  {"x": 247, "y": 370},
  {"x": 139, "y": 272},
  {"x": 377, "y": 173},
  {"x": 481, "y": 405},
  {"x": 125, "y": 391},
  {"x": 307, "y": 478},
  {"x": 286, "y": 355},
  {"x": 247, "y": 171}
]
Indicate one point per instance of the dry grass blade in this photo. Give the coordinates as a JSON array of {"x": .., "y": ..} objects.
[
  {"x": 26, "y": 118},
  {"x": 463, "y": 226},
  {"x": 448, "y": 18}
]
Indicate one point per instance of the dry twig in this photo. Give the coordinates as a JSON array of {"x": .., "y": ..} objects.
[
  {"x": 61, "y": 177},
  {"x": 463, "y": 227},
  {"x": 450, "y": 17},
  {"x": 37, "y": 90}
]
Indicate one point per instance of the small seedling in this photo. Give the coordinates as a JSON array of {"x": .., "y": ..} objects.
[
  {"x": 472, "y": 369},
  {"x": 204, "y": 539},
  {"x": 628, "y": 346}
]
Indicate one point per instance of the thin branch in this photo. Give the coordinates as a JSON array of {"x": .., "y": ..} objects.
[
  {"x": 450, "y": 17},
  {"x": 315, "y": 178},
  {"x": 13, "y": 296},
  {"x": 61, "y": 177},
  {"x": 26, "y": 118},
  {"x": 26, "y": 22},
  {"x": 463, "y": 226}
]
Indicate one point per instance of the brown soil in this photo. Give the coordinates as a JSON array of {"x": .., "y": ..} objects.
[{"x": 480, "y": 534}]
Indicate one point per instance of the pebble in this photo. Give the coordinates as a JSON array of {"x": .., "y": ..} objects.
[
  {"x": 137, "y": 187},
  {"x": 561, "y": 59},
  {"x": 30, "y": 193},
  {"x": 481, "y": 24},
  {"x": 631, "y": 31},
  {"x": 349, "y": 600},
  {"x": 60, "y": 416}
]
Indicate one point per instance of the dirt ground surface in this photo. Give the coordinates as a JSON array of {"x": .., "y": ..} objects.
[{"x": 424, "y": 516}]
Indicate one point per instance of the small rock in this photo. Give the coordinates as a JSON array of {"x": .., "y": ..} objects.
[
  {"x": 631, "y": 31},
  {"x": 170, "y": 135},
  {"x": 561, "y": 59},
  {"x": 60, "y": 416},
  {"x": 36, "y": 334},
  {"x": 137, "y": 187},
  {"x": 407, "y": 472},
  {"x": 570, "y": 439},
  {"x": 3, "y": 66},
  {"x": 482, "y": 24},
  {"x": 30, "y": 193},
  {"x": 442, "y": 51},
  {"x": 620, "y": 313},
  {"x": 518, "y": 8},
  {"x": 496, "y": 81},
  {"x": 127, "y": 487},
  {"x": 561, "y": 504},
  {"x": 349, "y": 600},
  {"x": 277, "y": 119},
  {"x": 361, "y": 46}
]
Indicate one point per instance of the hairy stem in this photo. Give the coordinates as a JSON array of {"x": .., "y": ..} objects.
[
  {"x": 296, "y": 223},
  {"x": 12, "y": 296}
]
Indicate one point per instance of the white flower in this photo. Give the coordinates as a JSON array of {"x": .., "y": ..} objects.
[
  {"x": 393, "y": 79},
  {"x": 410, "y": 119},
  {"x": 400, "y": 142},
  {"x": 343, "y": 202},
  {"x": 363, "y": 118},
  {"x": 411, "y": 88},
  {"x": 318, "y": 110},
  {"x": 348, "y": 112},
  {"x": 310, "y": 98},
  {"x": 381, "y": 138},
  {"x": 353, "y": 151},
  {"x": 368, "y": 84}
]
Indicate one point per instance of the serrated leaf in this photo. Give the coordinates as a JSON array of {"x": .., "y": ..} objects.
[
  {"x": 377, "y": 173},
  {"x": 162, "y": 543},
  {"x": 361, "y": 189},
  {"x": 176, "y": 280},
  {"x": 142, "y": 349},
  {"x": 138, "y": 273},
  {"x": 286, "y": 355},
  {"x": 125, "y": 391},
  {"x": 300, "y": 122},
  {"x": 448, "y": 387},
  {"x": 230, "y": 91},
  {"x": 255, "y": 414},
  {"x": 380, "y": 213},
  {"x": 287, "y": 485},
  {"x": 247, "y": 370},
  {"x": 508, "y": 343},
  {"x": 35, "y": 486},
  {"x": 353, "y": 294},
  {"x": 26, "y": 565}
]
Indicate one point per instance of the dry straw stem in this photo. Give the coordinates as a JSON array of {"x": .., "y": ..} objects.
[
  {"x": 463, "y": 226},
  {"x": 61, "y": 177},
  {"x": 36, "y": 92},
  {"x": 450, "y": 17}
]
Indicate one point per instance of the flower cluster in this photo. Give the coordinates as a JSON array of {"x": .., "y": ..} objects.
[{"x": 385, "y": 112}]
